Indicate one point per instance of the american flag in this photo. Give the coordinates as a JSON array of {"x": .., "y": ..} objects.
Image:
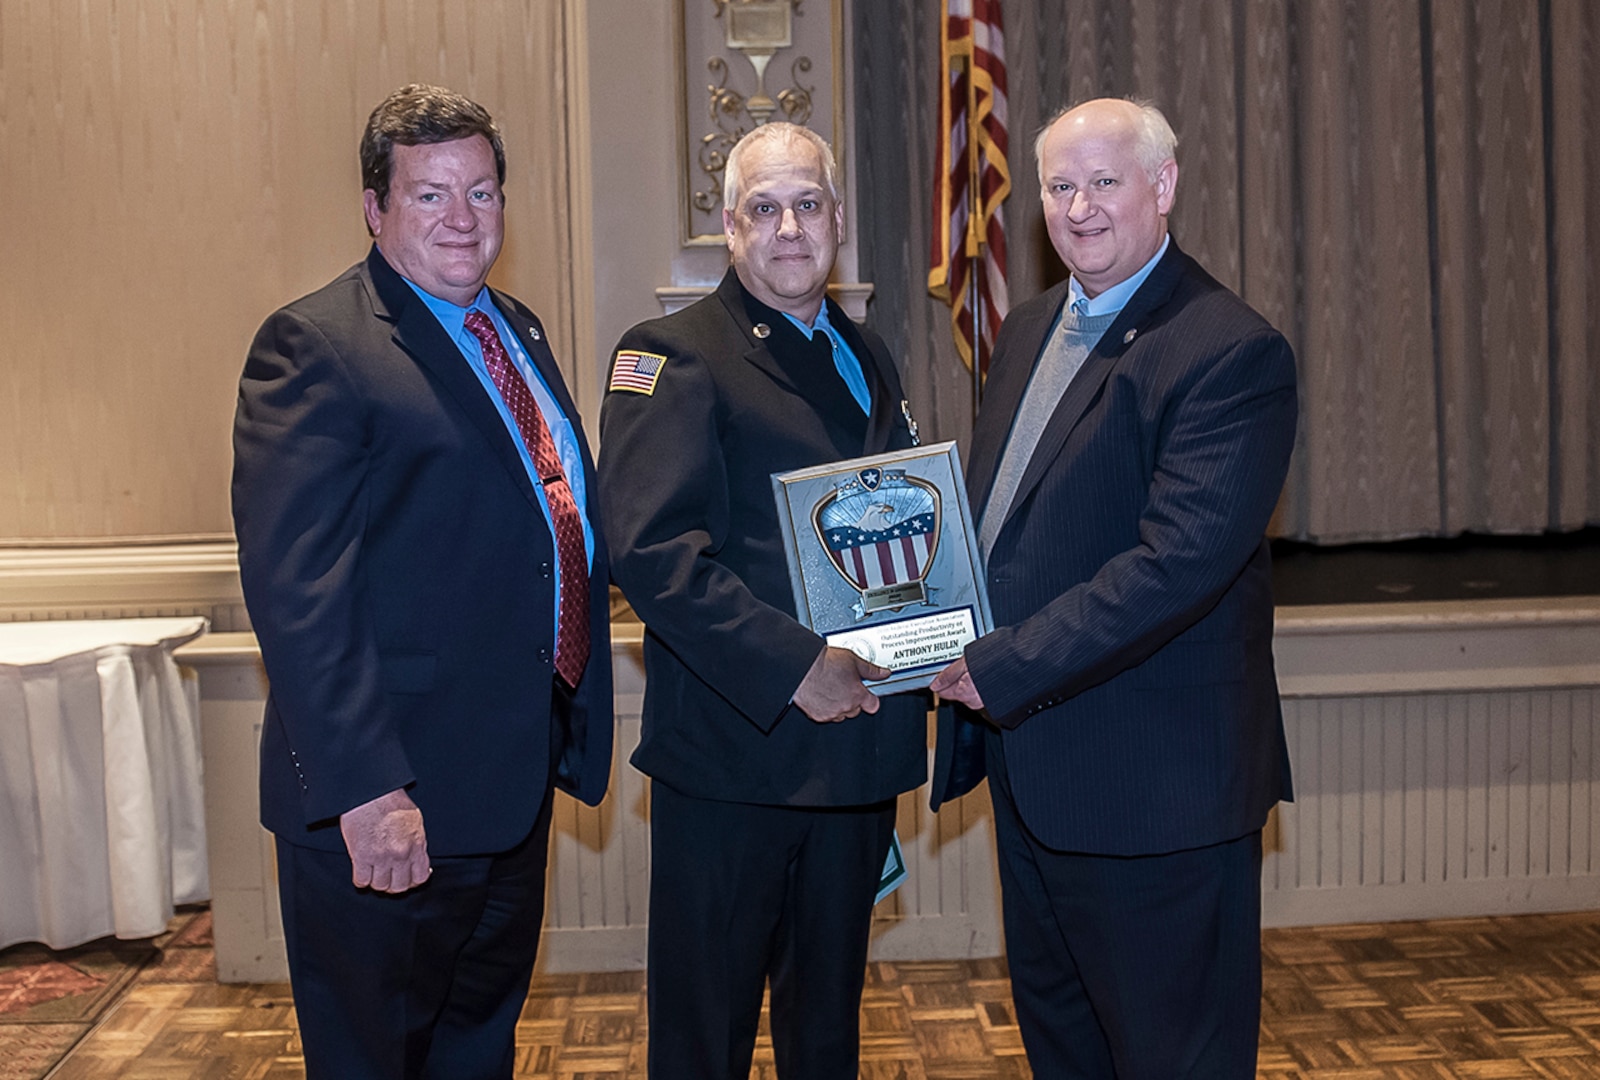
[
  {"x": 969, "y": 234},
  {"x": 637, "y": 371},
  {"x": 888, "y": 556}
]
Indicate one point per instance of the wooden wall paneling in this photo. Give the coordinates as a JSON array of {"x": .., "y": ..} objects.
[{"x": 189, "y": 165}]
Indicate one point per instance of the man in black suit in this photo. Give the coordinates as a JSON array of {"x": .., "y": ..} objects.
[
  {"x": 773, "y": 767},
  {"x": 1134, "y": 438},
  {"x": 413, "y": 500}
]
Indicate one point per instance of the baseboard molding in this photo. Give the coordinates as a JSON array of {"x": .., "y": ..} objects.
[
  {"x": 1452, "y": 900},
  {"x": 569, "y": 950},
  {"x": 565, "y": 950},
  {"x": 946, "y": 937}
]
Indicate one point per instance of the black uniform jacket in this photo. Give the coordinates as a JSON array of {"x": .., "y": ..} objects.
[{"x": 686, "y": 495}]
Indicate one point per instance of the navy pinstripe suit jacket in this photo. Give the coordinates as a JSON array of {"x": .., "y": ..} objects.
[{"x": 1131, "y": 665}]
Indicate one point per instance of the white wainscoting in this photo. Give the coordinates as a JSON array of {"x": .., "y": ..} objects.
[
  {"x": 1447, "y": 763},
  {"x": 596, "y": 909},
  {"x": 599, "y": 879},
  {"x": 596, "y": 904},
  {"x": 246, "y": 922}
]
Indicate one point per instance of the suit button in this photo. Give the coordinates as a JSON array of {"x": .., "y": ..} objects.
[
  {"x": 544, "y": 656},
  {"x": 544, "y": 569}
]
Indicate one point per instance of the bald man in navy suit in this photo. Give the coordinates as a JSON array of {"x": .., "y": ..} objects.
[{"x": 1133, "y": 441}]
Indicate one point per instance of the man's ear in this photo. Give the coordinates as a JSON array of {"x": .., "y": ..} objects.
[
  {"x": 369, "y": 207},
  {"x": 1166, "y": 186}
]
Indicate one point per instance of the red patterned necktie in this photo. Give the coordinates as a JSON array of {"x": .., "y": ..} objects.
[{"x": 572, "y": 622}]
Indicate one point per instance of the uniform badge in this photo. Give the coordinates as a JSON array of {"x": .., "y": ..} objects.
[
  {"x": 637, "y": 372},
  {"x": 911, "y": 422},
  {"x": 880, "y": 529}
]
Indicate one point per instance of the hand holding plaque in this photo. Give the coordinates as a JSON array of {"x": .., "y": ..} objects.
[{"x": 884, "y": 561}]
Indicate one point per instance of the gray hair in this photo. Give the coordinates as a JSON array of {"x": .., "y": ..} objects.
[
  {"x": 1155, "y": 141},
  {"x": 733, "y": 172}
]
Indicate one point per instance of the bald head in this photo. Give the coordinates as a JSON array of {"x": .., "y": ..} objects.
[
  {"x": 1155, "y": 139},
  {"x": 1107, "y": 179}
]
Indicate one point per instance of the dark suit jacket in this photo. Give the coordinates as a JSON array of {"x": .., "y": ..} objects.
[
  {"x": 1131, "y": 668},
  {"x": 685, "y": 484},
  {"x": 398, "y": 571}
]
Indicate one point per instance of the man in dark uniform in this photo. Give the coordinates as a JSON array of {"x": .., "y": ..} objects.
[{"x": 774, "y": 768}]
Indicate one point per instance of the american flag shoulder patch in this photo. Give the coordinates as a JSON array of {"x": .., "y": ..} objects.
[{"x": 637, "y": 372}]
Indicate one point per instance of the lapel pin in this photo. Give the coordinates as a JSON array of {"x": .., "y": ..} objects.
[
  {"x": 533, "y": 332},
  {"x": 762, "y": 330},
  {"x": 1127, "y": 339}
]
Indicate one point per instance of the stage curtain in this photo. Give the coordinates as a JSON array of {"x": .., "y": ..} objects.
[{"x": 1409, "y": 190}]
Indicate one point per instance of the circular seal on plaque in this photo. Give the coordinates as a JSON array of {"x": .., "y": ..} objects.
[{"x": 864, "y": 648}]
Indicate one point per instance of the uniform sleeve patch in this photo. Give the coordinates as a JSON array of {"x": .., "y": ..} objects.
[{"x": 637, "y": 372}]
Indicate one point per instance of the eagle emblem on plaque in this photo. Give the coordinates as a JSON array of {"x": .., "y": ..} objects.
[{"x": 880, "y": 529}]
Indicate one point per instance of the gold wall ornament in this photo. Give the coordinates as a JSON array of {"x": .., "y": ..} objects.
[
  {"x": 732, "y": 105},
  {"x": 725, "y": 108},
  {"x": 795, "y": 101},
  {"x": 758, "y": 28}
]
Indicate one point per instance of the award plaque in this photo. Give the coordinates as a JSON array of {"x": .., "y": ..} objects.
[{"x": 883, "y": 557}]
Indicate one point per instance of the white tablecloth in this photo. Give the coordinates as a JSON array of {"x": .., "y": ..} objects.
[{"x": 102, "y": 821}]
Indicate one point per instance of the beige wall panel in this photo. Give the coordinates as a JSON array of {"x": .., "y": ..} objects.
[{"x": 179, "y": 168}]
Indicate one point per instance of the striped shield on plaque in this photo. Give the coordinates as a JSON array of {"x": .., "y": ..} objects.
[{"x": 880, "y": 528}]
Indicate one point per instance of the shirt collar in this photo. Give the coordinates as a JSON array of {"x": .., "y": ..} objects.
[
  {"x": 819, "y": 323},
  {"x": 451, "y": 316},
  {"x": 1115, "y": 298}
]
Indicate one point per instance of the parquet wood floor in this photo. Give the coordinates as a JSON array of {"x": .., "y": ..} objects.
[{"x": 1475, "y": 999}]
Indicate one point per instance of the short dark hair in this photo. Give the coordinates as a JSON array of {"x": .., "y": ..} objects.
[{"x": 417, "y": 115}]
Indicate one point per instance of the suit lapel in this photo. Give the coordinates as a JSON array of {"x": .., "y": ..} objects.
[
  {"x": 791, "y": 368},
  {"x": 537, "y": 349},
  {"x": 419, "y": 334},
  {"x": 1002, "y": 394},
  {"x": 1085, "y": 385},
  {"x": 731, "y": 293}
]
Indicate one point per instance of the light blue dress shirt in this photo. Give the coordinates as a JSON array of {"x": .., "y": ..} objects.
[
  {"x": 848, "y": 363},
  {"x": 454, "y": 320},
  {"x": 1115, "y": 298}
]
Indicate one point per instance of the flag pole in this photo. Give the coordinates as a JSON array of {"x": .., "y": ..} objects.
[
  {"x": 975, "y": 237},
  {"x": 975, "y": 307}
]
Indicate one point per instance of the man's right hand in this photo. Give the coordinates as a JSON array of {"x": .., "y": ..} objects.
[
  {"x": 834, "y": 690},
  {"x": 388, "y": 847}
]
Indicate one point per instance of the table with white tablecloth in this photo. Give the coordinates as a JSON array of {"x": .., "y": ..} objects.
[{"x": 102, "y": 820}]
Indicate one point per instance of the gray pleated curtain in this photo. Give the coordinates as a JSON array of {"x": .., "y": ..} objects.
[{"x": 1409, "y": 189}]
